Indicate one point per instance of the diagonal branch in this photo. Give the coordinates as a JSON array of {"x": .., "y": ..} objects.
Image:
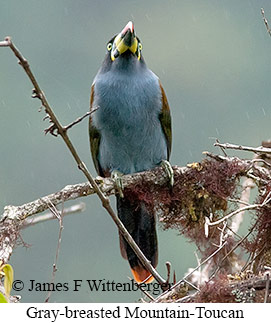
[
  {"x": 70, "y": 125},
  {"x": 266, "y": 22}
]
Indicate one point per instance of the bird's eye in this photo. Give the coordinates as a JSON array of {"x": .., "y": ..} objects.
[
  {"x": 140, "y": 46},
  {"x": 109, "y": 46}
]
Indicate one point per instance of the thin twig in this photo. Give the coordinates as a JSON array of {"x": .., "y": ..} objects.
[
  {"x": 267, "y": 288},
  {"x": 266, "y": 22},
  {"x": 69, "y": 126},
  {"x": 241, "y": 209},
  {"x": 174, "y": 287},
  {"x": 168, "y": 266},
  {"x": 239, "y": 201},
  {"x": 59, "y": 216},
  {"x": 254, "y": 257},
  {"x": 38, "y": 93},
  {"x": 222, "y": 149},
  {"x": 4, "y": 43},
  {"x": 80, "y": 207},
  {"x": 232, "y": 249},
  {"x": 222, "y": 234},
  {"x": 261, "y": 150},
  {"x": 260, "y": 160}
]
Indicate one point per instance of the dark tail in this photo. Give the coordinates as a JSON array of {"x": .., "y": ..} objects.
[{"x": 141, "y": 225}]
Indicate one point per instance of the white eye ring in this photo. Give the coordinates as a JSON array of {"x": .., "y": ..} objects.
[
  {"x": 109, "y": 46},
  {"x": 140, "y": 46}
]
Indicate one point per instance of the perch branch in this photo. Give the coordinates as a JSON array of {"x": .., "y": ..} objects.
[
  {"x": 14, "y": 215},
  {"x": 155, "y": 177},
  {"x": 70, "y": 192}
]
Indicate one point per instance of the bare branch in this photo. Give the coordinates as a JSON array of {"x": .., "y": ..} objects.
[
  {"x": 267, "y": 287},
  {"x": 69, "y": 126},
  {"x": 260, "y": 149},
  {"x": 241, "y": 209},
  {"x": 59, "y": 216},
  {"x": 266, "y": 22},
  {"x": 5, "y": 43},
  {"x": 80, "y": 207}
]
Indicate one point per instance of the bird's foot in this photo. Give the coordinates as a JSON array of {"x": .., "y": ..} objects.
[
  {"x": 169, "y": 170},
  {"x": 117, "y": 178}
]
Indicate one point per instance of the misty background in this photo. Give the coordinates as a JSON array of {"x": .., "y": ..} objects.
[{"x": 213, "y": 59}]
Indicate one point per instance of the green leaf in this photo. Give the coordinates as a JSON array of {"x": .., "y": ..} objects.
[
  {"x": 2, "y": 298},
  {"x": 8, "y": 280}
]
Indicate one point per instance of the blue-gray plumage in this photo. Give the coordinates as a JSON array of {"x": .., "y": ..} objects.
[
  {"x": 130, "y": 132},
  {"x": 129, "y": 101}
]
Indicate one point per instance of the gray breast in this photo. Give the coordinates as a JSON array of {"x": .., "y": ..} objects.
[{"x": 128, "y": 120}]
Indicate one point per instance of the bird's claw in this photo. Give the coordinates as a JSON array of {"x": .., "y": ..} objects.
[
  {"x": 169, "y": 170},
  {"x": 117, "y": 178}
]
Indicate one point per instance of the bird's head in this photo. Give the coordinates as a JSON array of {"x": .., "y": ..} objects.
[
  {"x": 123, "y": 49},
  {"x": 125, "y": 43}
]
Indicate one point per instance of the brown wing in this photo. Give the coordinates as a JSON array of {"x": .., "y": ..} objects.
[
  {"x": 165, "y": 120},
  {"x": 94, "y": 137}
]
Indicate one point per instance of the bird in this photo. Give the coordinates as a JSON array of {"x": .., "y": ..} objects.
[{"x": 130, "y": 132}]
